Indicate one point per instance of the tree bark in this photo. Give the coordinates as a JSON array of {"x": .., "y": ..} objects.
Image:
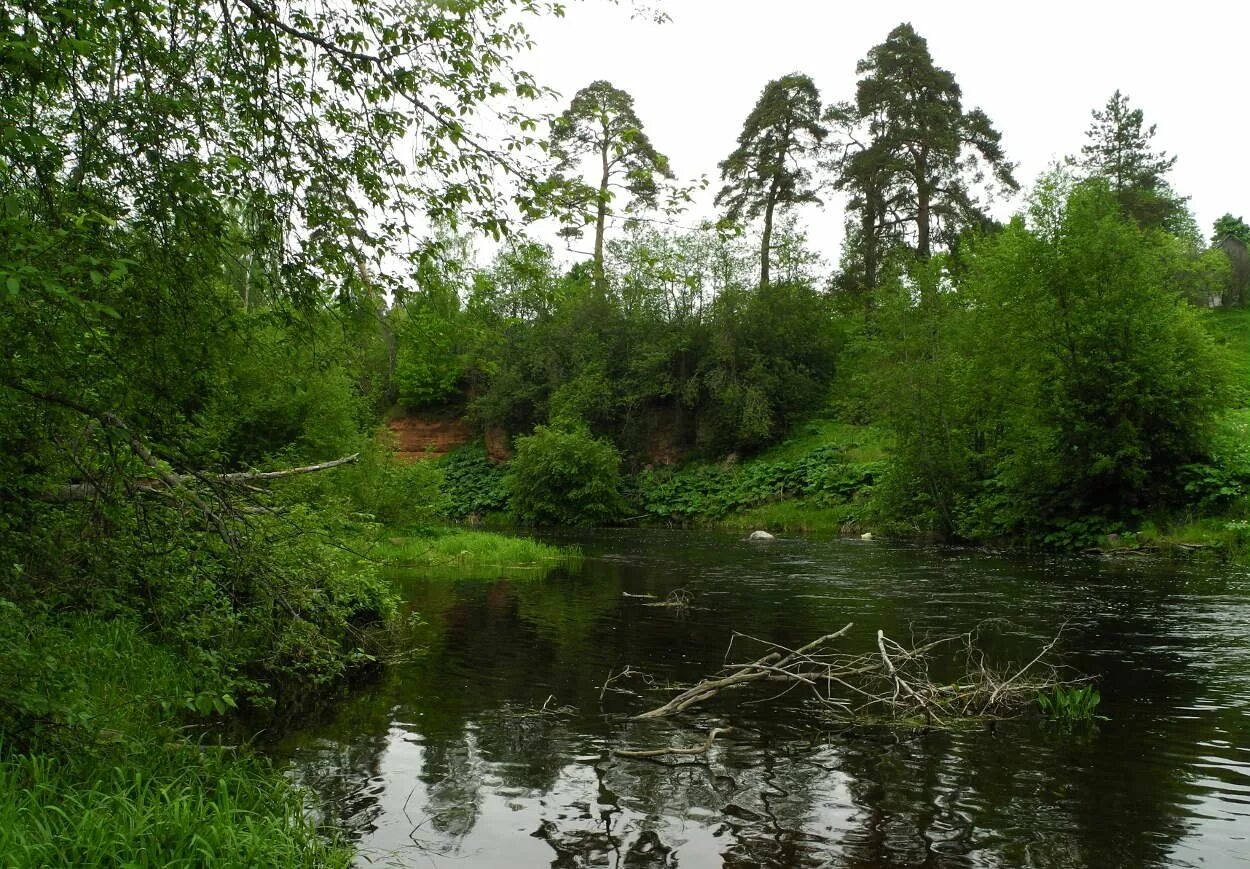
[
  {"x": 766, "y": 241},
  {"x": 924, "y": 208},
  {"x": 601, "y": 281}
]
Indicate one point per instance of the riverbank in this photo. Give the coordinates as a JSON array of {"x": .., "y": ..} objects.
[
  {"x": 116, "y": 753},
  {"x": 459, "y": 550},
  {"x": 123, "y": 768}
]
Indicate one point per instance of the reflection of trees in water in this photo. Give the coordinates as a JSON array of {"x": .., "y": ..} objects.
[
  {"x": 773, "y": 814},
  {"x": 453, "y": 772},
  {"x": 342, "y": 779},
  {"x": 769, "y": 796}
]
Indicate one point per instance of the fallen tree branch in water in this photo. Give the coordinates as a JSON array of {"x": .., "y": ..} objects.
[
  {"x": 892, "y": 682},
  {"x": 663, "y": 752}
]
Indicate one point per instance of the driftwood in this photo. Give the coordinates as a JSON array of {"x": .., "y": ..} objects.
[
  {"x": 664, "y": 752},
  {"x": 678, "y": 598},
  {"x": 893, "y": 682}
]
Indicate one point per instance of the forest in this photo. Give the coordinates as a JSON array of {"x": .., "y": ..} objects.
[{"x": 238, "y": 239}]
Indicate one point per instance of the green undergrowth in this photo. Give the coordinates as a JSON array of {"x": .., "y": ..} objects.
[
  {"x": 455, "y": 551},
  {"x": 99, "y": 769},
  {"x": 1230, "y": 327},
  {"x": 821, "y": 479},
  {"x": 155, "y": 806},
  {"x": 799, "y": 514}
]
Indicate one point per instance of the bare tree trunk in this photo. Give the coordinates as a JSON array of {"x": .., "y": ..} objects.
[
  {"x": 601, "y": 281},
  {"x": 924, "y": 209},
  {"x": 766, "y": 241}
]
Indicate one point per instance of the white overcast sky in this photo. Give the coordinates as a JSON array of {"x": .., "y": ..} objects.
[{"x": 1037, "y": 69}]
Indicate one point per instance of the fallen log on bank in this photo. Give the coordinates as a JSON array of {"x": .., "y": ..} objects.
[{"x": 891, "y": 682}]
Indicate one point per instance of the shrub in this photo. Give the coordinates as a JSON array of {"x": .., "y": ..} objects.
[
  {"x": 565, "y": 478},
  {"x": 472, "y": 484}
]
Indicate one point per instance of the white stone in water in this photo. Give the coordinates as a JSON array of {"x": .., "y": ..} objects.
[
  {"x": 867, "y": 535},
  {"x": 761, "y": 535}
]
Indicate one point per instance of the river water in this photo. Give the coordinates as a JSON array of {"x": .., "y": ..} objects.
[{"x": 446, "y": 760}]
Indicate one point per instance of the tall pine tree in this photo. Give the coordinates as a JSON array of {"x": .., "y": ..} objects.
[
  {"x": 768, "y": 170},
  {"x": 601, "y": 124},
  {"x": 1120, "y": 150},
  {"x": 911, "y": 156}
]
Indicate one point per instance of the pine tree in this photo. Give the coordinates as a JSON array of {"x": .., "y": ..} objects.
[
  {"x": 601, "y": 123},
  {"x": 910, "y": 155},
  {"x": 767, "y": 170},
  {"x": 1120, "y": 150}
]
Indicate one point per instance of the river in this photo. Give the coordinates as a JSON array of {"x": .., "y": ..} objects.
[{"x": 447, "y": 760}]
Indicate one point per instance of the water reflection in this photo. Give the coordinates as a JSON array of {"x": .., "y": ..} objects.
[{"x": 452, "y": 759}]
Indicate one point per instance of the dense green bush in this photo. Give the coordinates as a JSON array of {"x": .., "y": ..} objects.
[
  {"x": 472, "y": 484},
  {"x": 94, "y": 770},
  {"x": 1099, "y": 387},
  {"x": 565, "y": 478},
  {"x": 378, "y": 488}
]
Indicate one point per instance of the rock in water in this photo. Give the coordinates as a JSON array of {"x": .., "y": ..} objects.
[
  {"x": 867, "y": 535},
  {"x": 761, "y": 535}
]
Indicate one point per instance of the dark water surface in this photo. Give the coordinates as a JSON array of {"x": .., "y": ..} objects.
[{"x": 444, "y": 763}]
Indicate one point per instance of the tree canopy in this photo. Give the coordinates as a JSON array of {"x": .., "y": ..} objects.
[
  {"x": 1120, "y": 150},
  {"x": 910, "y": 155}
]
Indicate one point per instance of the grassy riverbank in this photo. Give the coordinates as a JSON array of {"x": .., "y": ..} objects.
[
  {"x": 112, "y": 775},
  {"x": 453, "y": 549},
  {"x": 113, "y": 756}
]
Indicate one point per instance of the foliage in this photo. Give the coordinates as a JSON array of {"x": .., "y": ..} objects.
[
  {"x": 427, "y": 366},
  {"x": 376, "y": 489},
  {"x": 682, "y": 351},
  {"x": 1224, "y": 479},
  {"x": 1228, "y": 225},
  {"x": 1100, "y": 385},
  {"x": 766, "y": 171},
  {"x": 912, "y": 153},
  {"x": 155, "y": 806},
  {"x": 1119, "y": 150},
  {"x": 472, "y": 484},
  {"x": 469, "y": 550},
  {"x": 564, "y": 478},
  {"x": 601, "y": 123},
  {"x": 702, "y": 492},
  {"x": 93, "y": 770},
  {"x": 434, "y": 338},
  {"x": 1070, "y": 704}
]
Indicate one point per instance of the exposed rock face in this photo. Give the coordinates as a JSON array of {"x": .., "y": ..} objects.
[
  {"x": 761, "y": 535},
  {"x": 417, "y": 437}
]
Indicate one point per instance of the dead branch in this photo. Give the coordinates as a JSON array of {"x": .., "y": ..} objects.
[
  {"x": 678, "y": 598},
  {"x": 662, "y": 752},
  {"x": 166, "y": 480},
  {"x": 250, "y": 476},
  {"x": 892, "y": 682}
]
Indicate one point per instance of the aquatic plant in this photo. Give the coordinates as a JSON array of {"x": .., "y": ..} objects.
[{"x": 1070, "y": 703}]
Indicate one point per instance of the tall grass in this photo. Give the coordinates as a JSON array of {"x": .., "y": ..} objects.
[
  {"x": 96, "y": 769},
  {"x": 158, "y": 805},
  {"x": 453, "y": 549}
]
